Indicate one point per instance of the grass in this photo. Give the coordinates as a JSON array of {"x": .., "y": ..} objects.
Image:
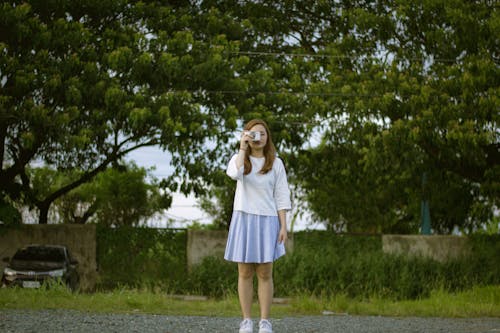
[{"x": 477, "y": 302}]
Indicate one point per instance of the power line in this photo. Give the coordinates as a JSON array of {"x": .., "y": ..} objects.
[
  {"x": 184, "y": 219},
  {"x": 296, "y": 93},
  {"x": 331, "y": 56},
  {"x": 276, "y": 54},
  {"x": 291, "y": 93}
]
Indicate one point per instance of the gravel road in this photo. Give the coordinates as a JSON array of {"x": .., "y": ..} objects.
[{"x": 73, "y": 321}]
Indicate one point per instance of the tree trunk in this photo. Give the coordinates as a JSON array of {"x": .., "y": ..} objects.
[{"x": 44, "y": 213}]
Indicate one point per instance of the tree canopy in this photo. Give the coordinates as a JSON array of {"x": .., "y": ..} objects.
[
  {"x": 395, "y": 92},
  {"x": 120, "y": 195},
  {"x": 412, "y": 88},
  {"x": 363, "y": 98},
  {"x": 84, "y": 83}
]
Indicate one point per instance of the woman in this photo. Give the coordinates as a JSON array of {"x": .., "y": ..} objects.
[{"x": 258, "y": 230}]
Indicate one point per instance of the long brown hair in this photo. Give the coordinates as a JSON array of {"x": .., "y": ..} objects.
[{"x": 269, "y": 149}]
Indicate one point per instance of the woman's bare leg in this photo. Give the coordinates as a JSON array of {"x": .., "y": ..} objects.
[
  {"x": 245, "y": 288},
  {"x": 266, "y": 288}
]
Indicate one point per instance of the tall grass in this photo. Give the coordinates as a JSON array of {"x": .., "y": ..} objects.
[
  {"x": 322, "y": 265},
  {"x": 477, "y": 302},
  {"x": 141, "y": 258}
]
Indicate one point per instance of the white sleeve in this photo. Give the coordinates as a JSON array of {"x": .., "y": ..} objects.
[
  {"x": 233, "y": 171},
  {"x": 281, "y": 189}
]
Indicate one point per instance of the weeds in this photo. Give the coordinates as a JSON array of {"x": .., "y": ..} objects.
[
  {"x": 322, "y": 265},
  {"x": 477, "y": 302}
]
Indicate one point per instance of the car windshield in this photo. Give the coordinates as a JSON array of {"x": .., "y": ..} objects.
[{"x": 40, "y": 254}]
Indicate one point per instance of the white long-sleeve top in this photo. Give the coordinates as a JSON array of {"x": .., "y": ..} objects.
[{"x": 260, "y": 194}]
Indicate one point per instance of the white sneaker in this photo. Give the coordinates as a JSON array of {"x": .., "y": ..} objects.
[
  {"x": 265, "y": 326},
  {"x": 246, "y": 326}
]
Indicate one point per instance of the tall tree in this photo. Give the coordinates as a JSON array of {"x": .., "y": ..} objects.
[
  {"x": 121, "y": 195},
  {"x": 400, "y": 87},
  {"x": 72, "y": 92},
  {"x": 84, "y": 83},
  {"x": 391, "y": 91},
  {"x": 413, "y": 88}
]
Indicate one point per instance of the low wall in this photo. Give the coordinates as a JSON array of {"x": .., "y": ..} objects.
[
  {"x": 438, "y": 247},
  {"x": 79, "y": 239},
  {"x": 204, "y": 243}
]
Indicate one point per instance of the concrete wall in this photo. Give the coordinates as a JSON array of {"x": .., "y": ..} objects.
[
  {"x": 437, "y": 247},
  {"x": 80, "y": 240},
  {"x": 204, "y": 243}
]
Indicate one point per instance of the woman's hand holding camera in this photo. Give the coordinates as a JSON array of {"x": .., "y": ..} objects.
[{"x": 245, "y": 138}]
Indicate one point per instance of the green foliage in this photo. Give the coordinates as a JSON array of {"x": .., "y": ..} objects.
[
  {"x": 362, "y": 100},
  {"x": 121, "y": 195},
  {"x": 124, "y": 198},
  {"x": 81, "y": 89},
  {"x": 412, "y": 89},
  {"x": 327, "y": 264},
  {"x": 141, "y": 257},
  {"x": 486, "y": 251},
  {"x": 356, "y": 266},
  {"x": 479, "y": 302},
  {"x": 213, "y": 277},
  {"x": 322, "y": 264},
  {"x": 9, "y": 215}
]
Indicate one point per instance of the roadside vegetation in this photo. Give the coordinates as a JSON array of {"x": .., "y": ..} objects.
[
  {"x": 144, "y": 270},
  {"x": 477, "y": 302},
  {"x": 322, "y": 264}
]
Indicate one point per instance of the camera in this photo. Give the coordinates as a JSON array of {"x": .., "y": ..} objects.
[{"x": 255, "y": 135}]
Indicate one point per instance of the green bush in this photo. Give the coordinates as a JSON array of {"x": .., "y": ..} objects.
[
  {"x": 9, "y": 215},
  {"x": 214, "y": 277},
  {"x": 328, "y": 264},
  {"x": 483, "y": 263},
  {"x": 322, "y": 264},
  {"x": 141, "y": 257}
]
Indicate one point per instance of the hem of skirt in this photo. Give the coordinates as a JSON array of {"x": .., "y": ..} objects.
[{"x": 253, "y": 262}]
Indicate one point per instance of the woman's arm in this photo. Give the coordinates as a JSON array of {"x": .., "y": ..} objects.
[
  {"x": 235, "y": 166},
  {"x": 283, "y": 235},
  {"x": 240, "y": 160}
]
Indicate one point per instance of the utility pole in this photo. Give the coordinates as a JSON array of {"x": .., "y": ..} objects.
[{"x": 425, "y": 210}]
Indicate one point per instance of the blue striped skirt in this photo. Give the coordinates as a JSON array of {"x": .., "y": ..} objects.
[{"x": 253, "y": 239}]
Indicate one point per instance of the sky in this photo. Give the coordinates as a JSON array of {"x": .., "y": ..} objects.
[{"x": 184, "y": 209}]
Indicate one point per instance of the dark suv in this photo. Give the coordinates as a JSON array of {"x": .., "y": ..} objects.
[{"x": 33, "y": 265}]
